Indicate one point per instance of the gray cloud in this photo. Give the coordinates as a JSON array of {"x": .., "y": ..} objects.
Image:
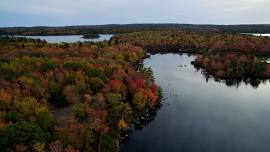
[{"x": 131, "y": 11}]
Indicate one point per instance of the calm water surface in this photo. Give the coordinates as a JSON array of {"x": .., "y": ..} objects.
[
  {"x": 70, "y": 38},
  {"x": 200, "y": 116},
  {"x": 261, "y": 35},
  {"x": 258, "y": 34}
]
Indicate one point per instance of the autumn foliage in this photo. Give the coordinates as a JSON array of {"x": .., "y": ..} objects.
[
  {"x": 70, "y": 97},
  {"x": 233, "y": 65},
  {"x": 195, "y": 42},
  {"x": 223, "y": 55}
]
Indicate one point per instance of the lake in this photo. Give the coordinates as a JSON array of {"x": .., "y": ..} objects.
[
  {"x": 261, "y": 34},
  {"x": 70, "y": 38},
  {"x": 258, "y": 34},
  {"x": 203, "y": 115}
]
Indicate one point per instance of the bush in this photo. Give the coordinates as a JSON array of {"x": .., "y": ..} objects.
[
  {"x": 120, "y": 111},
  {"x": 113, "y": 98},
  {"x": 139, "y": 100},
  {"x": 74, "y": 66},
  {"x": 79, "y": 111},
  {"x": 45, "y": 119},
  {"x": 22, "y": 132},
  {"x": 109, "y": 142},
  {"x": 44, "y": 67},
  {"x": 96, "y": 84},
  {"x": 32, "y": 110},
  {"x": 56, "y": 94},
  {"x": 12, "y": 116},
  {"x": 92, "y": 73}
]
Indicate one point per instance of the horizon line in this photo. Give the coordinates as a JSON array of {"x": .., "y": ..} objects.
[{"x": 119, "y": 24}]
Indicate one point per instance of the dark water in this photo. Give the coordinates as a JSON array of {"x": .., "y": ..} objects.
[
  {"x": 200, "y": 116},
  {"x": 70, "y": 38}
]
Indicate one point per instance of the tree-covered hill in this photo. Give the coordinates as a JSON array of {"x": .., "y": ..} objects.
[{"x": 127, "y": 28}]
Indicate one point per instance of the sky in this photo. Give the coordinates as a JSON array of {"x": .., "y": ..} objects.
[{"x": 96, "y": 12}]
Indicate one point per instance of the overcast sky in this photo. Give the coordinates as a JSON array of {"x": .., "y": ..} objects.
[{"x": 81, "y": 12}]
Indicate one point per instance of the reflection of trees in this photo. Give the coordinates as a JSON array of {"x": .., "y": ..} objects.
[
  {"x": 232, "y": 82},
  {"x": 142, "y": 121},
  {"x": 148, "y": 118}
]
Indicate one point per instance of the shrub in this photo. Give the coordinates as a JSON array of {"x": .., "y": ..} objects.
[
  {"x": 22, "y": 133},
  {"x": 74, "y": 66},
  {"x": 113, "y": 98},
  {"x": 96, "y": 84},
  {"x": 109, "y": 142},
  {"x": 96, "y": 73},
  {"x": 79, "y": 111},
  {"x": 46, "y": 66}
]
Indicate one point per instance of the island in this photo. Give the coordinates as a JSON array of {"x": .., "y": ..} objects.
[{"x": 91, "y": 36}]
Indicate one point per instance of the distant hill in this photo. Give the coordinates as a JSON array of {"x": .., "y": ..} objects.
[{"x": 127, "y": 28}]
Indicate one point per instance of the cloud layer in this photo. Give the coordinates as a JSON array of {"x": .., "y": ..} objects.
[{"x": 74, "y": 12}]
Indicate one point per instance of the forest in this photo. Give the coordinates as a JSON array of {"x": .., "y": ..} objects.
[
  {"x": 101, "y": 88},
  {"x": 129, "y": 28},
  {"x": 221, "y": 54},
  {"x": 85, "y": 96}
]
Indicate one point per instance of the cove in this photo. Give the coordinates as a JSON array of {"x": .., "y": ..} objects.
[{"x": 202, "y": 114}]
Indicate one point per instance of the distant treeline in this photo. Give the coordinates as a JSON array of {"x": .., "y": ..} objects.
[
  {"x": 127, "y": 28},
  {"x": 195, "y": 42}
]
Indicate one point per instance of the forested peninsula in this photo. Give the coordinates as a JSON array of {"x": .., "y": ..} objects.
[
  {"x": 223, "y": 55},
  {"x": 71, "y": 96}
]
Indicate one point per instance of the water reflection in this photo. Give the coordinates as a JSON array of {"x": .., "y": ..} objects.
[
  {"x": 234, "y": 82},
  {"x": 202, "y": 113},
  {"x": 69, "y": 38},
  {"x": 254, "y": 82}
]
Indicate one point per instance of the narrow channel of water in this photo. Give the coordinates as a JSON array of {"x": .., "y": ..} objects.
[{"x": 203, "y": 116}]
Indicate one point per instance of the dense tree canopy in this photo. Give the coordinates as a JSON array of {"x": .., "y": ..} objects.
[
  {"x": 222, "y": 55},
  {"x": 196, "y": 42},
  {"x": 81, "y": 96},
  {"x": 93, "y": 84}
]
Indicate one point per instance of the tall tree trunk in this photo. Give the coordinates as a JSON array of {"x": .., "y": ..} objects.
[{"x": 99, "y": 145}]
